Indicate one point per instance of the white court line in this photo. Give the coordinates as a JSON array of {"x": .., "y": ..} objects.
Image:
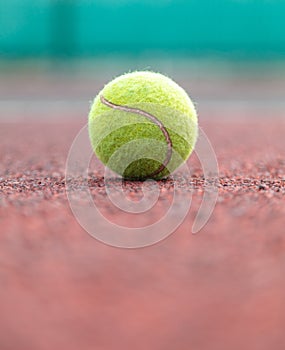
[{"x": 54, "y": 110}]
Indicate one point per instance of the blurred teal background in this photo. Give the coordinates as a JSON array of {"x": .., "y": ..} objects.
[
  {"x": 56, "y": 55},
  {"x": 235, "y": 29}
]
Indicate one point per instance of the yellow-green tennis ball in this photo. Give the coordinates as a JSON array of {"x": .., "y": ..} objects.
[{"x": 143, "y": 125}]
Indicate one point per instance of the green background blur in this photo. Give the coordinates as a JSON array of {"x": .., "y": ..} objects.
[
  {"x": 246, "y": 29},
  {"x": 56, "y": 55}
]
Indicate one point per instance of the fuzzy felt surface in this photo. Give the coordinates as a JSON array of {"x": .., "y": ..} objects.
[{"x": 130, "y": 144}]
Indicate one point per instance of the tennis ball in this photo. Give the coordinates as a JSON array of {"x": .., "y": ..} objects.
[{"x": 143, "y": 125}]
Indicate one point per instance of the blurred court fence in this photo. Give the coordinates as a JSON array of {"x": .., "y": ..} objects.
[{"x": 247, "y": 29}]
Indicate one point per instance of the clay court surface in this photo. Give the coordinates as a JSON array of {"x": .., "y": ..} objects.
[{"x": 220, "y": 289}]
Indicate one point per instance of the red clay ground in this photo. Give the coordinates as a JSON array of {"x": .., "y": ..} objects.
[{"x": 220, "y": 289}]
